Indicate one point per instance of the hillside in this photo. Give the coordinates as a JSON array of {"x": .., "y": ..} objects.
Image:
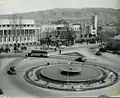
[{"x": 105, "y": 15}]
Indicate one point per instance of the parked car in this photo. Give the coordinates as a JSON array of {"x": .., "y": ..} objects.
[
  {"x": 23, "y": 48},
  {"x": 1, "y": 92},
  {"x": 18, "y": 51},
  {"x": 12, "y": 71},
  {"x": 98, "y": 53},
  {"x": 81, "y": 59},
  {"x": 103, "y": 96},
  {"x": 102, "y": 49}
]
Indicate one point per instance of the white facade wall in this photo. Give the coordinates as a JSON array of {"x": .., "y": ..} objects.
[
  {"x": 75, "y": 27},
  {"x": 20, "y": 34}
]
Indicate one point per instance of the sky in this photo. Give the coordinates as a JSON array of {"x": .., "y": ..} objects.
[{"x": 19, "y": 6}]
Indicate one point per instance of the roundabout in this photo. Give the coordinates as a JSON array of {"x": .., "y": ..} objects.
[
  {"x": 75, "y": 77},
  {"x": 62, "y": 78}
]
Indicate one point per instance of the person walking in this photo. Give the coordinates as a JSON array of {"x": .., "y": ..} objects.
[
  {"x": 31, "y": 73},
  {"x": 55, "y": 49},
  {"x": 110, "y": 75},
  {"x": 60, "y": 51}
]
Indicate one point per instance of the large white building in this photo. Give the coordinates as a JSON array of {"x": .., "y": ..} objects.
[{"x": 17, "y": 31}]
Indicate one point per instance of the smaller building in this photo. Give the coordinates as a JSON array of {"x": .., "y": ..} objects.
[
  {"x": 77, "y": 29},
  {"x": 114, "y": 43}
]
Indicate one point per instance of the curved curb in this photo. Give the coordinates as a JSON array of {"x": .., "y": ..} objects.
[{"x": 27, "y": 78}]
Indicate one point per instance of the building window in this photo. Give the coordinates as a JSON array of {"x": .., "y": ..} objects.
[
  {"x": 3, "y": 25},
  {"x": 8, "y": 25},
  {"x": 5, "y": 32},
  {"x": 9, "y": 39},
  {"x": 0, "y": 38},
  {"x": 13, "y": 38},
  {"x": 24, "y": 38}
]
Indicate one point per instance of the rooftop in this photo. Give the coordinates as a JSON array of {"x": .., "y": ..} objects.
[{"x": 23, "y": 21}]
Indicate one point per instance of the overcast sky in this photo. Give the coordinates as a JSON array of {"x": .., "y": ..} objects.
[{"x": 18, "y": 6}]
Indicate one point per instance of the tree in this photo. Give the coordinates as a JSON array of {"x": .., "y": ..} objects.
[
  {"x": 99, "y": 33},
  {"x": 15, "y": 47},
  {"x": 71, "y": 35}
]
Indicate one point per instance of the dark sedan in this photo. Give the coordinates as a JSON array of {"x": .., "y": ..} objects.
[
  {"x": 80, "y": 59},
  {"x": 12, "y": 71}
]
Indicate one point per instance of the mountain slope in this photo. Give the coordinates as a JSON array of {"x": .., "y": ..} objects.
[{"x": 104, "y": 14}]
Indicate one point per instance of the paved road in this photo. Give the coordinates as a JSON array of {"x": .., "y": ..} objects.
[{"x": 17, "y": 86}]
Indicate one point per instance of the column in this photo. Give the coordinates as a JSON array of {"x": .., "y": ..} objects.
[
  {"x": 26, "y": 39},
  {"x": 24, "y": 35},
  {"x": 34, "y": 33},
  {"x": 7, "y": 36},
  {"x": 2, "y": 36},
  {"x": 30, "y": 38},
  {"x": 6, "y": 39},
  {"x": 12, "y": 36},
  {"x": 28, "y": 35}
]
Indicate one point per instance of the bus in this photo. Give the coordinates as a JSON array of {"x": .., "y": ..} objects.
[{"x": 38, "y": 53}]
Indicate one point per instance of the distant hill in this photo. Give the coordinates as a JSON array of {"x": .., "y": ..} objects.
[{"x": 105, "y": 15}]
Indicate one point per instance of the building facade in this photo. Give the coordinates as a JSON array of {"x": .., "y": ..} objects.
[
  {"x": 60, "y": 30},
  {"x": 94, "y": 24},
  {"x": 22, "y": 32}
]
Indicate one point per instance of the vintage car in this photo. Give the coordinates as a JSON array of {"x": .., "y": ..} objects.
[
  {"x": 81, "y": 59},
  {"x": 12, "y": 71},
  {"x": 98, "y": 53}
]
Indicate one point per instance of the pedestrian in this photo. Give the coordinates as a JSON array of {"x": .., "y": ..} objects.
[
  {"x": 59, "y": 62},
  {"x": 60, "y": 51},
  {"x": 31, "y": 74},
  {"x": 1, "y": 92},
  {"x": 55, "y": 49},
  {"x": 110, "y": 75},
  {"x": 47, "y": 83},
  {"x": 62, "y": 85},
  {"x": 38, "y": 77},
  {"x": 70, "y": 63},
  {"x": 81, "y": 86},
  {"x": 47, "y": 64}
]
